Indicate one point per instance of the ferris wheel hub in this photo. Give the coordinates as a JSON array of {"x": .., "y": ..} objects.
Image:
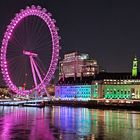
[{"x": 30, "y": 53}]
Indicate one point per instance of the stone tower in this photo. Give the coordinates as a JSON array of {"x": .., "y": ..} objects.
[{"x": 135, "y": 67}]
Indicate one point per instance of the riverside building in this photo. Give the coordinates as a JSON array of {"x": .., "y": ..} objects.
[
  {"x": 77, "y": 65},
  {"x": 102, "y": 85}
]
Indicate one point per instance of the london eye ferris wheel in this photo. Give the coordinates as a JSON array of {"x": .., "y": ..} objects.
[{"x": 30, "y": 50}]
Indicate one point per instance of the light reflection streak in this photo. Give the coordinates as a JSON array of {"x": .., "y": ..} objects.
[{"x": 68, "y": 123}]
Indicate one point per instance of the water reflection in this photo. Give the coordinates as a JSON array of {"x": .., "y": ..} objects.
[
  {"x": 24, "y": 123},
  {"x": 82, "y": 123},
  {"x": 68, "y": 124}
]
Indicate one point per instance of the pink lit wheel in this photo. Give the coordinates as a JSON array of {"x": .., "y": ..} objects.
[{"x": 30, "y": 38}]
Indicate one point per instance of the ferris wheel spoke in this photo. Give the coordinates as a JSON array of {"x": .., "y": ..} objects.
[
  {"x": 37, "y": 44},
  {"x": 13, "y": 59},
  {"x": 35, "y": 28},
  {"x": 21, "y": 74},
  {"x": 40, "y": 45},
  {"x": 42, "y": 73},
  {"x": 39, "y": 31},
  {"x": 13, "y": 55},
  {"x": 14, "y": 68},
  {"x": 31, "y": 33},
  {"x": 17, "y": 69},
  {"x": 40, "y": 38},
  {"x": 27, "y": 22},
  {"x": 35, "y": 32},
  {"x": 12, "y": 62},
  {"x": 26, "y": 71},
  {"x": 17, "y": 40},
  {"x": 41, "y": 67}
]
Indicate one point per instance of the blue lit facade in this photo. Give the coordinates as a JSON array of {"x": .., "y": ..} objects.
[{"x": 75, "y": 92}]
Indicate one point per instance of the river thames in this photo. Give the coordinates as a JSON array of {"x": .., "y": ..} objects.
[{"x": 67, "y": 123}]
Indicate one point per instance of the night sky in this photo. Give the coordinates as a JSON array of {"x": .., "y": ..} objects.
[{"x": 108, "y": 31}]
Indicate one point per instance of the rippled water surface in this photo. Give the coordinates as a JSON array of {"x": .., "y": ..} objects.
[{"x": 66, "y": 123}]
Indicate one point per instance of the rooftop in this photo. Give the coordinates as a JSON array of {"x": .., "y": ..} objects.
[{"x": 100, "y": 76}]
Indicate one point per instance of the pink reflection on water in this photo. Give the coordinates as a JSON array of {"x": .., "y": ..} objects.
[
  {"x": 41, "y": 129},
  {"x": 9, "y": 121},
  {"x": 28, "y": 124}
]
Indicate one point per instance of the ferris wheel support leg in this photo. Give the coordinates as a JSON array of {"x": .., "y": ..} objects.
[
  {"x": 33, "y": 71},
  {"x": 40, "y": 78}
]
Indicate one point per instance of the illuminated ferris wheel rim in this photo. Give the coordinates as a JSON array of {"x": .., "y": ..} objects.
[{"x": 46, "y": 17}]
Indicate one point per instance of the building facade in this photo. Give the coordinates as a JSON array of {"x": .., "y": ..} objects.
[
  {"x": 101, "y": 86},
  {"x": 99, "y": 89},
  {"x": 77, "y": 65},
  {"x": 77, "y": 92}
]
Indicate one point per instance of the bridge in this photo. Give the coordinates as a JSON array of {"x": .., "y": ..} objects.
[{"x": 22, "y": 103}]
